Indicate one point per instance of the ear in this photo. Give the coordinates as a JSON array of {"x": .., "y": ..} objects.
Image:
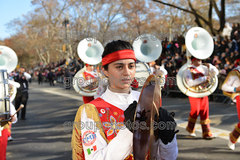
[{"x": 105, "y": 71}]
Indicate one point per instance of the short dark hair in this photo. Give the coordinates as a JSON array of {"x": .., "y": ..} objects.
[{"x": 115, "y": 46}]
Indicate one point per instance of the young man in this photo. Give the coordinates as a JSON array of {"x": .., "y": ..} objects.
[
  {"x": 110, "y": 139},
  {"x": 231, "y": 86},
  {"x": 22, "y": 92},
  {"x": 197, "y": 74}
]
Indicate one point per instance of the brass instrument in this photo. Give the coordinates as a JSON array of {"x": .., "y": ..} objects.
[
  {"x": 90, "y": 51},
  {"x": 199, "y": 44}
]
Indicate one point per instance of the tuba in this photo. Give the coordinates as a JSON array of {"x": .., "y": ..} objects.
[
  {"x": 147, "y": 48},
  {"x": 8, "y": 62},
  {"x": 89, "y": 51},
  {"x": 199, "y": 44}
]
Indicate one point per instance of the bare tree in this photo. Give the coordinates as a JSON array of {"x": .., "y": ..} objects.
[{"x": 199, "y": 19}]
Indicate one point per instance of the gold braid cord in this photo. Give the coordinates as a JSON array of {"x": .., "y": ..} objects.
[
  {"x": 232, "y": 73},
  {"x": 77, "y": 148}
]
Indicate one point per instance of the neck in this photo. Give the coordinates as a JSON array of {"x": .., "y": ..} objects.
[{"x": 127, "y": 90}]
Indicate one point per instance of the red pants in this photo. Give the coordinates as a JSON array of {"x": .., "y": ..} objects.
[
  {"x": 199, "y": 106},
  {"x": 3, "y": 144},
  {"x": 87, "y": 99}
]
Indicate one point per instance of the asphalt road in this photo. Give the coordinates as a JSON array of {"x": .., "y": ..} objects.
[{"x": 46, "y": 134}]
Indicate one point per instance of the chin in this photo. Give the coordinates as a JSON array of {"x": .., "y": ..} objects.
[{"x": 124, "y": 86}]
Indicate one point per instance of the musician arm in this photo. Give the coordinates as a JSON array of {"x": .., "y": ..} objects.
[
  {"x": 213, "y": 69},
  {"x": 12, "y": 112},
  {"x": 191, "y": 82},
  {"x": 228, "y": 86},
  {"x": 26, "y": 75},
  {"x": 161, "y": 71}
]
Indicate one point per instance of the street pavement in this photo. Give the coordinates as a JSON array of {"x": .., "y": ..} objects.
[{"x": 46, "y": 134}]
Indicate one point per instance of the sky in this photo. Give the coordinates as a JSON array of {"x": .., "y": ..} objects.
[{"x": 9, "y": 10}]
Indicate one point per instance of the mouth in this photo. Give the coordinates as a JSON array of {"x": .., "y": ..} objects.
[{"x": 126, "y": 81}]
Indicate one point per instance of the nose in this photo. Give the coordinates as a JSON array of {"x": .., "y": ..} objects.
[{"x": 126, "y": 71}]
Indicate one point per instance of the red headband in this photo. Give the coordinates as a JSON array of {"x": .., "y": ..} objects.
[
  {"x": 194, "y": 59},
  {"x": 122, "y": 54},
  {"x": 86, "y": 65},
  {"x": 238, "y": 60}
]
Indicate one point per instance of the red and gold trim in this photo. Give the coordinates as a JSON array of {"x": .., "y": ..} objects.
[
  {"x": 191, "y": 124},
  {"x": 206, "y": 132},
  {"x": 234, "y": 135}
]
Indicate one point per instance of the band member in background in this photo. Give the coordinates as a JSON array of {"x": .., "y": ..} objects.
[
  {"x": 90, "y": 81},
  {"x": 158, "y": 71},
  {"x": 4, "y": 132},
  {"x": 22, "y": 92},
  {"x": 112, "y": 139},
  {"x": 232, "y": 85},
  {"x": 197, "y": 74}
]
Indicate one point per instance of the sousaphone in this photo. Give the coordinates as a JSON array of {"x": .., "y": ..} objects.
[
  {"x": 89, "y": 51},
  {"x": 8, "y": 62},
  {"x": 199, "y": 44}
]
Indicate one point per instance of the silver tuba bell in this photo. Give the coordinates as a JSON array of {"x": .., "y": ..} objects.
[
  {"x": 90, "y": 51},
  {"x": 199, "y": 44}
]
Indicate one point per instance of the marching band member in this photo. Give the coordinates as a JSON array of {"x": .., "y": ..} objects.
[
  {"x": 4, "y": 132},
  {"x": 232, "y": 85},
  {"x": 158, "y": 71},
  {"x": 195, "y": 75},
  {"x": 111, "y": 139},
  {"x": 90, "y": 77}
]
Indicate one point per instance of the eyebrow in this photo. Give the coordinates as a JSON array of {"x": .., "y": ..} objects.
[{"x": 123, "y": 63}]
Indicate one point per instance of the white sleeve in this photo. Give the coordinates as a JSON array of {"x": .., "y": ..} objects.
[
  {"x": 228, "y": 86},
  {"x": 190, "y": 81},
  {"x": 13, "y": 111},
  {"x": 213, "y": 69},
  {"x": 96, "y": 148},
  {"x": 28, "y": 76},
  {"x": 161, "y": 71},
  {"x": 167, "y": 151}
]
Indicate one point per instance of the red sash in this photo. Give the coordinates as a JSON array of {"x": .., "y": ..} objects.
[
  {"x": 112, "y": 119},
  {"x": 88, "y": 76},
  {"x": 196, "y": 73}
]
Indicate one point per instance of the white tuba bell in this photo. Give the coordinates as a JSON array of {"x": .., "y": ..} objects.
[
  {"x": 200, "y": 44},
  {"x": 90, "y": 51},
  {"x": 8, "y": 62},
  {"x": 147, "y": 48}
]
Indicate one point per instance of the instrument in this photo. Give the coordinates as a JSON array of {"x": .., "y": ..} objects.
[
  {"x": 147, "y": 48},
  {"x": 90, "y": 51},
  {"x": 200, "y": 45},
  {"x": 231, "y": 95},
  {"x": 8, "y": 62},
  {"x": 142, "y": 71},
  {"x": 85, "y": 91},
  {"x": 144, "y": 138}
]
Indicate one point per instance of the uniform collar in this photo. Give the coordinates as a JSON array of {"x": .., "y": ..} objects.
[{"x": 120, "y": 100}]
